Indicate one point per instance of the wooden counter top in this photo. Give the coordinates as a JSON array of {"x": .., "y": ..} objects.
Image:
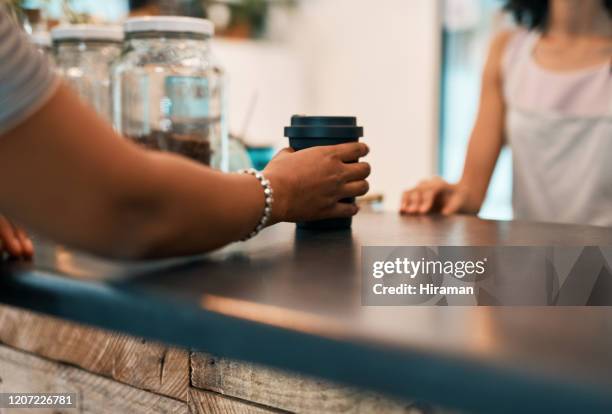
[{"x": 292, "y": 300}]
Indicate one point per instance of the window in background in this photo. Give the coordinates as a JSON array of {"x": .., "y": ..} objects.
[
  {"x": 107, "y": 11},
  {"x": 469, "y": 25}
]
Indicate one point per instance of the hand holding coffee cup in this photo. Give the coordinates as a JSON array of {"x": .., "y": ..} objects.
[
  {"x": 313, "y": 184},
  {"x": 330, "y": 144}
]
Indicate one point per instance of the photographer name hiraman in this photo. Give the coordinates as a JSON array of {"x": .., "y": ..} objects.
[
  {"x": 406, "y": 268},
  {"x": 422, "y": 289}
]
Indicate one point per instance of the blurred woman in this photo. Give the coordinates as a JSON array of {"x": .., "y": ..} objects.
[
  {"x": 66, "y": 174},
  {"x": 546, "y": 92}
]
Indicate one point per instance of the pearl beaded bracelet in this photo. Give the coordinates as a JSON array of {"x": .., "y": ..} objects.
[{"x": 267, "y": 212}]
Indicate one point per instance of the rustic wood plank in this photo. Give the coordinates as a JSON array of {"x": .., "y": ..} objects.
[
  {"x": 145, "y": 365},
  {"x": 21, "y": 372},
  {"x": 291, "y": 392},
  {"x": 205, "y": 402}
]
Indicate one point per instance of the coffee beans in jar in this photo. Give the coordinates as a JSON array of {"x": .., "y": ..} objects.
[{"x": 168, "y": 89}]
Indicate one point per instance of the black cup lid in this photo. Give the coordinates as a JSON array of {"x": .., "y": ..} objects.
[{"x": 323, "y": 127}]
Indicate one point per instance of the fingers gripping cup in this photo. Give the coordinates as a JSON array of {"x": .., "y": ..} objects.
[{"x": 313, "y": 131}]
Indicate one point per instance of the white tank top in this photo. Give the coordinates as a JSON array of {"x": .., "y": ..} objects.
[{"x": 559, "y": 127}]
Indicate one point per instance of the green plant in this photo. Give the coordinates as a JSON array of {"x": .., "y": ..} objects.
[
  {"x": 71, "y": 15},
  {"x": 254, "y": 12},
  {"x": 17, "y": 9}
]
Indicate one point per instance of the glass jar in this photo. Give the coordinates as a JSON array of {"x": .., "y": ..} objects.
[
  {"x": 83, "y": 56},
  {"x": 168, "y": 91}
]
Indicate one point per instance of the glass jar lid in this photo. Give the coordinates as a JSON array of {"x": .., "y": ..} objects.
[
  {"x": 41, "y": 39},
  {"x": 175, "y": 24},
  {"x": 87, "y": 32}
]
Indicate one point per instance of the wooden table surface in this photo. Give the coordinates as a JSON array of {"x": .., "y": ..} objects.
[{"x": 292, "y": 300}]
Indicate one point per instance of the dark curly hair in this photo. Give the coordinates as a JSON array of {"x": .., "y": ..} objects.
[{"x": 534, "y": 13}]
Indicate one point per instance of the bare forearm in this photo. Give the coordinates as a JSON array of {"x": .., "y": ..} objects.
[
  {"x": 478, "y": 170},
  {"x": 488, "y": 135},
  {"x": 195, "y": 209},
  {"x": 75, "y": 180},
  {"x": 172, "y": 207}
]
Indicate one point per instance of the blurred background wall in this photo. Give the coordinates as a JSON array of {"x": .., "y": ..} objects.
[{"x": 379, "y": 61}]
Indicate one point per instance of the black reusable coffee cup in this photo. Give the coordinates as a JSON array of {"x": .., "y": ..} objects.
[{"x": 313, "y": 131}]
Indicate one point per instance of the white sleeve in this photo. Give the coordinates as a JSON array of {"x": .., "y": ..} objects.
[{"x": 27, "y": 79}]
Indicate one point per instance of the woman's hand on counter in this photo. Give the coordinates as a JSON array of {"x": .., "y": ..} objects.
[
  {"x": 309, "y": 184},
  {"x": 14, "y": 241},
  {"x": 436, "y": 196}
]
